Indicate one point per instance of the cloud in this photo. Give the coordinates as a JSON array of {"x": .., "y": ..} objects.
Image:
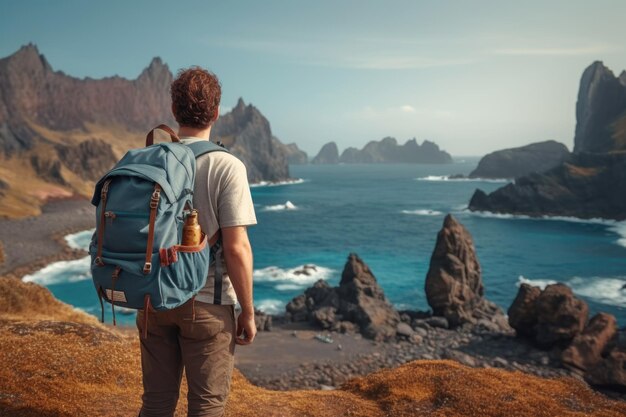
[
  {"x": 554, "y": 51},
  {"x": 399, "y": 112},
  {"x": 407, "y": 108},
  {"x": 357, "y": 53}
]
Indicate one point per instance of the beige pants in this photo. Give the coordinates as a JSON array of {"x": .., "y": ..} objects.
[{"x": 204, "y": 347}]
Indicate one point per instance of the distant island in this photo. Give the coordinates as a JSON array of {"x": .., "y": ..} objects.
[
  {"x": 591, "y": 181},
  {"x": 520, "y": 161},
  {"x": 58, "y": 134},
  {"x": 387, "y": 150}
]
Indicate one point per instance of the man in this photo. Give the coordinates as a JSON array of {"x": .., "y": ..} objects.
[{"x": 204, "y": 346}]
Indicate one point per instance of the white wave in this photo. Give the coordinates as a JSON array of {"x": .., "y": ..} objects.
[
  {"x": 62, "y": 271},
  {"x": 277, "y": 183},
  {"x": 300, "y": 276},
  {"x": 271, "y": 306},
  {"x": 541, "y": 283},
  {"x": 79, "y": 240},
  {"x": 617, "y": 227},
  {"x": 279, "y": 207},
  {"x": 422, "y": 212},
  {"x": 447, "y": 178},
  {"x": 603, "y": 290},
  {"x": 288, "y": 287}
]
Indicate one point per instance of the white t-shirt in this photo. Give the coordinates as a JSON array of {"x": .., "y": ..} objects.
[{"x": 222, "y": 198}]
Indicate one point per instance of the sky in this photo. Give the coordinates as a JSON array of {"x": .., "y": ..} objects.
[{"x": 472, "y": 76}]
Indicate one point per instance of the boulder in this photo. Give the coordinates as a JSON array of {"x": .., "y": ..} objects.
[
  {"x": 611, "y": 371},
  {"x": 262, "y": 321},
  {"x": 587, "y": 348},
  {"x": 560, "y": 316},
  {"x": 522, "y": 313},
  {"x": 454, "y": 287},
  {"x": 552, "y": 317}
]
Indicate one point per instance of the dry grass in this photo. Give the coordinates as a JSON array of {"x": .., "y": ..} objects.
[{"x": 59, "y": 362}]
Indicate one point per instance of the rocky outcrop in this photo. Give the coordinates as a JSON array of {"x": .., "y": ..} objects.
[
  {"x": 600, "y": 111},
  {"x": 89, "y": 159},
  {"x": 587, "y": 186},
  {"x": 247, "y": 134},
  {"x": 550, "y": 317},
  {"x": 295, "y": 156},
  {"x": 387, "y": 150},
  {"x": 517, "y": 162},
  {"x": 586, "y": 350},
  {"x": 329, "y": 154},
  {"x": 590, "y": 182},
  {"x": 454, "y": 287},
  {"x": 358, "y": 300},
  {"x": 555, "y": 319}
]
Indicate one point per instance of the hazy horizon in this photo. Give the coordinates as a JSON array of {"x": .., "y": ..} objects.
[{"x": 473, "y": 78}]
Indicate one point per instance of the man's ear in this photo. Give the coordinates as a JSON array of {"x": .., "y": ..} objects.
[{"x": 217, "y": 114}]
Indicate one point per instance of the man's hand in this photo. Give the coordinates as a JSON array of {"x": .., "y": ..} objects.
[{"x": 246, "y": 328}]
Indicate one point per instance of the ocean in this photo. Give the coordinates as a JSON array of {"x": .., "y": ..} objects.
[{"x": 390, "y": 215}]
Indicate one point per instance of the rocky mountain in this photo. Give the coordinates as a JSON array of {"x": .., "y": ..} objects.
[
  {"x": 387, "y": 150},
  {"x": 329, "y": 154},
  {"x": 591, "y": 182},
  {"x": 247, "y": 133},
  {"x": 59, "y": 133},
  {"x": 517, "y": 162},
  {"x": 601, "y": 111},
  {"x": 296, "y": 156}
]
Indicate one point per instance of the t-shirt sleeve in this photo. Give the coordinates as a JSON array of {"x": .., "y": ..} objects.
[{"x": 234, "y": 204}]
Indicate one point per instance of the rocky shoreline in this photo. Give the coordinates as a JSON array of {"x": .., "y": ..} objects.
[{"x": 546, "y": 332}]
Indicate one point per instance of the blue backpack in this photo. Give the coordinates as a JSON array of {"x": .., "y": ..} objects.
[{"x": 137, "y": 260}]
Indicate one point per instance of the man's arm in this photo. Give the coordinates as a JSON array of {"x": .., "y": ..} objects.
[{"x": 238, "y": 257}]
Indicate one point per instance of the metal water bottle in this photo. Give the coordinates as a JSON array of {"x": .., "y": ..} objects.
[{"x": 192, "y": 234}]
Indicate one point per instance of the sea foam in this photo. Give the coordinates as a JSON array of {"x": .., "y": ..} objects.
[
  {"x": 603, "y": 290},
  {"x": 271, "y": 306},
  {"x": 280, "y": 207},
  {"x": 79, "y": 240},
  {"x": 447, "y": 178},
  {"x": 277, "y": 183},
  {"x": 617, "y": 227},
  {"x": 61, "y": 272},
  {"x": 293, "y": 278},
  {"x": 423, "y": 212}
]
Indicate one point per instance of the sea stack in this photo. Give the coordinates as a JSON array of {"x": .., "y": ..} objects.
[{"x": 454, "y": 287}]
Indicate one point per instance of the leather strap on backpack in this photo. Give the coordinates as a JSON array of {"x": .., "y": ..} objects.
[
  {"x": 165, "y": 128},
  {"x": 103, "y": 198},
  {"x": 154, "y": 204}
]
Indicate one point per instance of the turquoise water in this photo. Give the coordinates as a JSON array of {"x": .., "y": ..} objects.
[{"x": 390, "y": 216}]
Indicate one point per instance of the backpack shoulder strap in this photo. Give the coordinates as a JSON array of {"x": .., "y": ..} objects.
[{"x": 201, "y": 147}]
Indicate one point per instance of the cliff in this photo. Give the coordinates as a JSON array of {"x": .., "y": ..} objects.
[
  {"x": 247, "y": 133},
  {"x": 591, "y": 181},
  {"x": 64, "y": 363},
  {"x": 59, "y": 133},
  {"x": 329, "y": 154},
  {"x": 517, "y": 162},
  {"x": 600, "y": 111},
  {"x": 387, "y": 150}
]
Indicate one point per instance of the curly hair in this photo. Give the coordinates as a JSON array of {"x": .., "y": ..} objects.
[{"x": 196, "y": 95}]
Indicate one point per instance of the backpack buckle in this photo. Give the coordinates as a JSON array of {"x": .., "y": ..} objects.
[
  {"x": 98, "y": 261},
  {"x": 147, "y": 267},
  {"x": 154, "y": 200}
]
